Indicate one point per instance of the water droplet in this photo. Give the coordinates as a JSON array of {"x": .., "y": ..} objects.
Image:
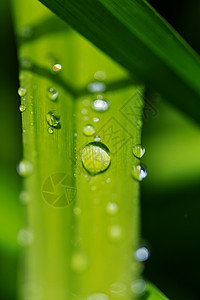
[
  {"x": 108, "y": 180},
  {"x": 53, "y": 118},
  {"x": 86, "y": 118},
  {"x": 139, "y": 123},
  {"x": 21, "y": 91},
  {"x": 100, "y": 75},
  {"x": 25, "y": 168},
  {"x": 79, "y": 262},
  {"x": 88, "y": 130},
  {"x": 138, "y": 151},
  {"x": 97, "y": 139},
  {"x": 52, "y": 94},
  {"x": 22, "y": 107},
  {"x": 25, "y": 32},
  {"x": 24, "y": 197},
  {"x": 138, "y": 286},
  {"x": 100, "y": 105},
  {"x": 142, "y": 254},
  {"x": 84, "y": 111},
  {"x": 93, "y": 188},
  {"x": 118, "y": 289},
  {"x": 25, "y": 63},
  {"x": 50, "y": 130},
  {"x": 96, "y": 158},
  {"x": 112, "y": 208},
  {"x": 57, "y": 67},
  {"x": 86, "y": 102},
  {"x": 139, "y": 172},
  {"x": 96, "y": 87},
  {"x": 95, "y": 120},
  {"x": 115, "y": 233},
  {"x": 98, "y": 296},
  {"x": 75, "y": 134},
  {"x": 77, "y": 211},
  {"x": 24, "y": 237}
]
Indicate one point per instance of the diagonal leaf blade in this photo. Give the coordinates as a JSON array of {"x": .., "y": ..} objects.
[{"x": 134, "y": 35}]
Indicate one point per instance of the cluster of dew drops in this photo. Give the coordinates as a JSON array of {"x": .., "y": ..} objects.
[{"x": 96, "y": 159}]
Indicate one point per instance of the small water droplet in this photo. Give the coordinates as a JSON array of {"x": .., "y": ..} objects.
[
  {"x": 95, "y": 158},
  {"x": 24, "y": 197},
  {"x": 100, "y": 75},
  {"x": 25, "y": 32},
  {"x": 112, "y": 208},
  {"x": 108, "y": 180},
  {"x": 79, "y": 262},
  {"x": 115, "y": 233},
  {"x": 139, "y": 123},
  {"x": 21, "y": 91},
  {"x": 139, "y": 172},
  {"x": 25, "y": 168},
  {"x": 118, "y": 289},
  {"x": 100, "y": 105},
  {"x": 84, "y": 111},
  {"x": 25, "y": 63},
  {"x": 142, "y": 254},
  {"x": 86, "y": 102},
  {"x": 77, "y": 211},
  {"x": 24, "y": 237},
  {"x": 96, "y": 87},
  {"x": 50, "y": 130},
  {"x": 57, "y": 67},
  {"x": 88, "y": 130},
  {"x": 52, "y": 94},
  {"x": 95, "y": 120},
  {"x": 53, "y": 119},
  {"x": 22, "y": 107},
  {"x": 86, "y": 118},
  {"x": 138, "y": 286},
  {"x": 138, "y": 151},
  {"x": 97, "y": 139},
  {"x": 75, "y": 134},
  {"x": 98, "y": 296}
]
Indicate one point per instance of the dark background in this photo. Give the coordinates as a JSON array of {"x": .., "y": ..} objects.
[{"x": 170, "y": 217}]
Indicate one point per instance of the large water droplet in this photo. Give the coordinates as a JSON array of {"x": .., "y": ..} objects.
[
  {"x": 24, "y": 237},
  {"x": 95, "y": 87},
  {"x": 22, "y": 107},
  {"x": 112, "y": 208},
  {"x": 98, "y": 296},
  {"x": 100, "y": 75},
  {"x": 79, "y": 262},
  {"x": 138, "y": 151},
  {"x": 53, "y": 119},
  {"x": 52, "y": 94},
  {"x": 56, "y": 68},
  {"x": 22, "y": 91},
  {"x": 88, "y": 130},
  {"x": 138, "y": 286},
  {"x": 95, "y": 158},
  {"x": 139, "y": 172},
  {"x": 118, "y": 289},
  {"x": 142, "y": 254},
  {"x": 25, "y": 168},
  {"x": 100, "y": 105}
]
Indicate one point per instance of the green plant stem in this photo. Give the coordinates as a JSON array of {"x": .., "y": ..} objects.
[{"x": 52, "y": 270}]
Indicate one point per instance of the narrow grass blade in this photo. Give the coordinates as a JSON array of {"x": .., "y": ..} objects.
[
  {"x": 134, "y": 35},
  {"x": 85, "y": 246}
]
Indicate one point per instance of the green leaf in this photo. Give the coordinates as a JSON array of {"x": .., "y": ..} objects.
[
  {"x": 133, "y": 34},
  {"x": 152, "y": 293}
]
